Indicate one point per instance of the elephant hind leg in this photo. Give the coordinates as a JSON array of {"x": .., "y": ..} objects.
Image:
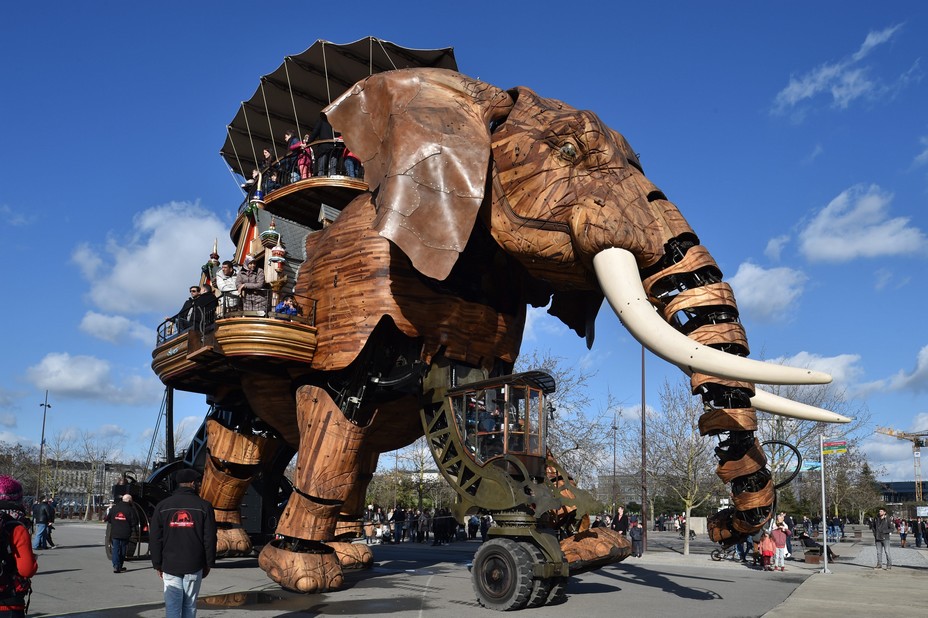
[
  {"x": 303, "y": 557},
  {"x": 234, "y": 459}
]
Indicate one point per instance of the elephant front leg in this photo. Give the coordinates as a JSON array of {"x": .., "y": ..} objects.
[{"x": 304, "y": 557}]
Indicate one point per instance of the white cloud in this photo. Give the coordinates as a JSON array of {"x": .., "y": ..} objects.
[
  {"x": 894, "y": 456},
  {"x": 815, "y": 154},
  {"x": 856, "y": 224},
  {"x": 916, "y": 380},
  {"x": 111, "y": 431},
  {"x": 87, "y": 261},
  {"x": 538, "y": 322},
  {"x": 151, "y": 268},
  {"x": 7, "y": 419},
  {"x": 775, "y": 247},
  {"x": 13, "y": 218},
  {"x": 922, "y": 157},
  {"x": 87, "y": 377},
  {"x": 115, "y": 328},
  {"x": 845, "y": 80},
  {"x": 844, "y": 368},
  {"x": 767, "y": 294}
]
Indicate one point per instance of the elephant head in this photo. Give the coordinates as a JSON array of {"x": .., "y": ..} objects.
[{"x": 565, "y": 196}]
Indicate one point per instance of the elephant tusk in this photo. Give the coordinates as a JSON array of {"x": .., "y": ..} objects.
[
  {"x": 619, "y": 278},
  {"x": 763, "y": 400}
]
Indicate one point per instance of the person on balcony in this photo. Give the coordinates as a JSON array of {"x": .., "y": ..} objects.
[
  {"x": 204, "y": 307},
  {"x": 304, "y": 160},
  {"x": 227, "y": 288},
  {"x": 184, "y": 318},
  {"x": 290, "y": 164},
  {"x": 323, "y": 151},
  {"x": 250, "y": 284},
  {"x": 287, "y": 306}
]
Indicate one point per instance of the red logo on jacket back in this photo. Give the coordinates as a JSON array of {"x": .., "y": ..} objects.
[{"x": 181, "y": 519}]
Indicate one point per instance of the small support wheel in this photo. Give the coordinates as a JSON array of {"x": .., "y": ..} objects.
[
  {"x": 502, "y": 575},
  {"x": 718, "y": 554}
]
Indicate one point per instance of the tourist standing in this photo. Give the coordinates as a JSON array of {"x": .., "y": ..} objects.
[
  {"x": 882, "y": 528},
  {"x": 183, "y": 545}
]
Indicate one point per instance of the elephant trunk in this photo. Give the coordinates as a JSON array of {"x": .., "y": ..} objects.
[{"x": 698, "y": 329}]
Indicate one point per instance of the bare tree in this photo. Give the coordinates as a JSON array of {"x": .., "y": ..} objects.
[
  {"x": 420, "y": 468},
  {"x": 804, "y": 435},
  {"x": 57, "y": 449},
  {"x": 95, "y": 451},
  {"x": 680, "y": 458},
  {"x": 22, "y": 463},
  {"x": 579, "y": 436}
]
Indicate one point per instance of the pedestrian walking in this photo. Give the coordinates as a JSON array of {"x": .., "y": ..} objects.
[
  {"x": 183, "y": 545},
  {"x": 40, "y": 519},
  {"x": 16, "y": 557},
  {"x": 123, "y": 521},
  {"x": 882, "y": 528}
]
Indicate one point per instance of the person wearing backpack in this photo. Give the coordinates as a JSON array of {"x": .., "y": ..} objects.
[{"x": 17, "y": 561}]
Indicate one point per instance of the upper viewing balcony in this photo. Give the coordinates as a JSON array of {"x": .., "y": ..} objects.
[{"x": 305, "y": 184}]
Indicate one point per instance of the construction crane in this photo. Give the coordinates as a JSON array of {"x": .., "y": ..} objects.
[{"x": 918, "y": 439}]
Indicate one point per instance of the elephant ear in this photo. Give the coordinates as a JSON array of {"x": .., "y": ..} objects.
[{"x": 423, "y": 136}]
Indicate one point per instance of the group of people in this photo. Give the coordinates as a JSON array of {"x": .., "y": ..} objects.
[
  {"x": 321, "y": 152},
  {"x": 229, "y": 290},
  {"x": 400, "y": 525},
  {"x": 43, "y": 517}
]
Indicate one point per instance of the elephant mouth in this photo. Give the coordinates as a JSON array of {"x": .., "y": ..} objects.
[{"x": 619, "y": 278}]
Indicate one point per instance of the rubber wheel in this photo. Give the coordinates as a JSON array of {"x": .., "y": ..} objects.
[
  {"x": 558, "y": 592},
  {"x": 502, "y": 575},
  {"x": 717, "y": 555},
  {"x": 540, "y": 587}
]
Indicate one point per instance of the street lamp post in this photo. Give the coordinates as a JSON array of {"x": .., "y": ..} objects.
[
  {"x": 644, "y": 462},
  {"x": 38, "y": 483},
  {"x": 615, "y": 429}
]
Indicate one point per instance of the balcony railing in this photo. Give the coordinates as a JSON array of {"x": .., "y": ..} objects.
[
  {"x": 293, "y": 168},
  {"x": 255, "y": 303}
]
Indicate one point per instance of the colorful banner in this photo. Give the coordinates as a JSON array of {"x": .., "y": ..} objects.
[{"x": 834, "y": 447}]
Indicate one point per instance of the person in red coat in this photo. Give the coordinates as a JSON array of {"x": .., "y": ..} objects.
[{"x": 19, "y": 563}]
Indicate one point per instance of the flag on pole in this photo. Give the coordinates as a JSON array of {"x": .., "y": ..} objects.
[{"x": 834, "y": 447}]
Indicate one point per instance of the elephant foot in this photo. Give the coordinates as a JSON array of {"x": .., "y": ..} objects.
[
  {"x": 595, "y": 548},
  {"x": 307, "y": 571},
  {"x": 353, "y": 555},
  {"x": 231, "y": 542}
]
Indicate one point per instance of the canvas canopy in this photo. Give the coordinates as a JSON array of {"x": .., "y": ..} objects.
[{"x": 292, "y": 96}]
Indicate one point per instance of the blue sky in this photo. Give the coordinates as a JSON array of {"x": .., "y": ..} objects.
[{"x": 793, "y": 136}]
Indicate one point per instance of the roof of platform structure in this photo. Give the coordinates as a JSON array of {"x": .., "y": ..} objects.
[{"x": 293, "y": 95}]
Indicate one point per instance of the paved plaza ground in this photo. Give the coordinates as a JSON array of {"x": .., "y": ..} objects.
[{"x": 413, "y": 579}]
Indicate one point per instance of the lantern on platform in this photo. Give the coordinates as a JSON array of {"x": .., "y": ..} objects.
[{"x": 278, "y": 256}]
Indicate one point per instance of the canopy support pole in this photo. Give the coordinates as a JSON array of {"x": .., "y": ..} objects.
[
  {"x": 296, "y": 116},
  {"x": 270, "y": 129}
]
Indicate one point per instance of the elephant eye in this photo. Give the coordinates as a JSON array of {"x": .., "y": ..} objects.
[{"x": 568, "y": 151}]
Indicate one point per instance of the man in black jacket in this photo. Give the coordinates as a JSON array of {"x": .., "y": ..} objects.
[
  {"x": 183, "y": 544},
  {"x": 123, "y": 522}
]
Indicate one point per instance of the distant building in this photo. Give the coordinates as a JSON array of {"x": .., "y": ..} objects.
[
  {"x": 624, "y": 488},
  {"x": 71, "y": 483},
  {"x": 898, "y": 492}
]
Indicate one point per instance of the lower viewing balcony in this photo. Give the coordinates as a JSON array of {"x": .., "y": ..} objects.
[{"x": 211, "y": 346}]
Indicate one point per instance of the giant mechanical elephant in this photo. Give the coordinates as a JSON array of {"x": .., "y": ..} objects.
[{"x": 484, "y": 201}]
